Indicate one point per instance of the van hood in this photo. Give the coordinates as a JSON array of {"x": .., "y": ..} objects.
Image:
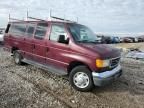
[{"x": 105, "y": 51}]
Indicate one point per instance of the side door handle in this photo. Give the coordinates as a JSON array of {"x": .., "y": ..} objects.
[
  {"x": 33, "y": 46},
  {"x": 47, "y": 49}
]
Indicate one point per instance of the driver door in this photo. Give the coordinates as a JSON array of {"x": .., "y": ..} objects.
[{"x": 58, "y": 51}]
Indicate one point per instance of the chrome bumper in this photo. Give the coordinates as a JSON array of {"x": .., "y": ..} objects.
[
  {"x": 1, "y": 39},
  {"x": 101, "y": 79}
]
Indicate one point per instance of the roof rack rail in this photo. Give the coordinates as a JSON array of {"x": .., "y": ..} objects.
[
  {"x": 14, "y": 19},
  {"x": 36, "y": 19},
  {"x": 62, "y": 19},
  {"x": 28, "y": 17}
]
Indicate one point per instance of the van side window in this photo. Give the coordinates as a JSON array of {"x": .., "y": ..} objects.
[
  {"x": 41, "y": 30},
  {"x": 57, "y": 29},
  {"x": 30, "y": 30},
  {"x": 18, "y": 29}
]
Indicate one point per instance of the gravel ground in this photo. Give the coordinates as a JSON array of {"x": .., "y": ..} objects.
[
  {"x": 30, "y": 87},
  {"x": 131, "y": 45}
]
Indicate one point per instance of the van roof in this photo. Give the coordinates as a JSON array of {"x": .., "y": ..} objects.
[{"x": 41, "y": 21}]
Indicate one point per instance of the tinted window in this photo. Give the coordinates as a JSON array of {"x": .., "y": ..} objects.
[
  {"x": 57, "y": 29},
  {"x": 18, "y": 28},
  {"x": 41, "y": 30},
  {"x": 31, "y": 28}
]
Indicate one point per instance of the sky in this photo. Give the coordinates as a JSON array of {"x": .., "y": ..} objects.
[{"x": 102, "y": 16}]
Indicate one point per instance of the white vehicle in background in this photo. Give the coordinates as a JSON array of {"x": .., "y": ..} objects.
[
  {"x": 136, "y": 39},
  {"x": 99, "y": 39},
  {"x": 1, "y": 37}
]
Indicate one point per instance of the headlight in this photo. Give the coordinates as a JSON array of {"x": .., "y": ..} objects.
[{"x": 102, "y": 63}]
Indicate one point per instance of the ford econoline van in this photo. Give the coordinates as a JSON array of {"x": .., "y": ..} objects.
[{"x": 64, "y": 48}]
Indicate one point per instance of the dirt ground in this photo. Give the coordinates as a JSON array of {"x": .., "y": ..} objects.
[
  {"x": 27, "y": 86},
  {"x": 131, "y": 45}
]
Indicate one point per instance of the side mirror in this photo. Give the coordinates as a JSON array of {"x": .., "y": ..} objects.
[{"x": 61, "y": 39}]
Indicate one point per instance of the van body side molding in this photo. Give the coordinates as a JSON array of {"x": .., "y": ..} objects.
[{"x": 45, "y": 67}]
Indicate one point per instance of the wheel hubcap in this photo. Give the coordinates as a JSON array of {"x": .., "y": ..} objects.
[{"x": 81, "y": 79}]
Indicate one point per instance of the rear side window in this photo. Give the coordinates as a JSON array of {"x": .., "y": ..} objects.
[
  {"x": 30, "y": 30},
  {"x": 41, "y": 30},
  {"x": 18, "y": 29}
]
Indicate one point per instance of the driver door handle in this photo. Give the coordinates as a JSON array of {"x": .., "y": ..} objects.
[{"x": 47, "y": 49}]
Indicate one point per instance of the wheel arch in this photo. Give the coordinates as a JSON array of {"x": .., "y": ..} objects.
[
  {"x": 74, "y": 64},
  {"x": 14, "y": 49}
]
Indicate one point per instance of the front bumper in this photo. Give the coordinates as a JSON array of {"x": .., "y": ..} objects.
[
  {"x": 1, "y": 39},
  {"x": 104, "y": 78}
]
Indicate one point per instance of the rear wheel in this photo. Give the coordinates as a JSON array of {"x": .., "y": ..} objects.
[
  {"x": 81, "y": 79},
  {"x": 17, "y": 58}
]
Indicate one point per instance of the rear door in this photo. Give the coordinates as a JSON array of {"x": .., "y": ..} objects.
[
  {"x": 40, "y": 43},
  {"x": 16, "y": 35}
]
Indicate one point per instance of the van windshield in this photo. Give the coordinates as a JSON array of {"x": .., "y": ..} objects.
[{"x": 81, "y": 33}]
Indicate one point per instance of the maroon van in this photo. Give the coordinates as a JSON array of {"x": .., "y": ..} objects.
[{"x": 64, "y": 48}]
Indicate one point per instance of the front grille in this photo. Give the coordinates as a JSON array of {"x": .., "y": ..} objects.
[{"x": 114, "y": 62}]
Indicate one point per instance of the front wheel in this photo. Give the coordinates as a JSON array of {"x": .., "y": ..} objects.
[{"x": 81, "y": 79}]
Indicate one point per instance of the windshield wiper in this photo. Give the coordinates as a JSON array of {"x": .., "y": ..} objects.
[
  {"x": 83, "y": 41},
  {"x": 95, "y": 41},
  {"x": 87, "y": 41}
]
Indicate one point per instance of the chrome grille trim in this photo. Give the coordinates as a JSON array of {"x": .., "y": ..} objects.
[{"x": 114, "y": 62}]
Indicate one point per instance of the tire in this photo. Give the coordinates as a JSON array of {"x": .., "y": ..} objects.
[
  {"x": 81, "y": 75},
  {"x": 17, "y": 57}
]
